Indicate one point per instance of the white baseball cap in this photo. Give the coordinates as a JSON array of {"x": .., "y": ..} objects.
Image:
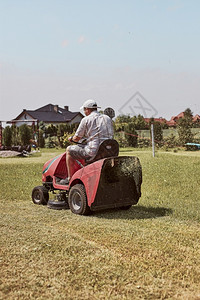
[{"x": 89, "y": 104}]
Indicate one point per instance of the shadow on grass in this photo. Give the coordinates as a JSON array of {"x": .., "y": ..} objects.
[{"x": 135, "y": 212}]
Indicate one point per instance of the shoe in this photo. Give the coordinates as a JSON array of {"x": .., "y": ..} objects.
[{"x": 64, "y": 181}]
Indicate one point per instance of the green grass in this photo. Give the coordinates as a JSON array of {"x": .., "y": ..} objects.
[{"x": 149, "y": 252}]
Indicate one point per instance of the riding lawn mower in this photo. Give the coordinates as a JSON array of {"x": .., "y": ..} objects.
[{"x": 105, "y": 181}]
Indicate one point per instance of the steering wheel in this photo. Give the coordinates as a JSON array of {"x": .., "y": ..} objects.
[{"x": 83, "y": 141}]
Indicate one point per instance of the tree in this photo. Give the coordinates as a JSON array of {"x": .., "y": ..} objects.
[
  {"x": 41, "y": 134},
  {"x": 49, "y": 143},
  {"x": 140, "y": 122},
  {"x": 184, "y": 131},
  {"x": 188, "y": 115},
  {"x": 41, "y": 140},
  {"x": 7, "y": 136},
  {"x": 25, "y": 134},
  {"x": 158, "y": 131},
  {"x": 50, "y": 129},
  {"x": 196, "y": 124},
  {"x": 171, "y": 141},
  {"x": 15, "y": 135},
  {"x": 122, "y": 120},
  {"x": 184, "y": 127},
  {"x": 131, "y": 135}
]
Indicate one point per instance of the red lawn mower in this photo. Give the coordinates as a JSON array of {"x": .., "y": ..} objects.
[{"x": 106, "y": 181}]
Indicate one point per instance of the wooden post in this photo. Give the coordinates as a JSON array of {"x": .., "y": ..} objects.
[{"x": 152, "y": 139}]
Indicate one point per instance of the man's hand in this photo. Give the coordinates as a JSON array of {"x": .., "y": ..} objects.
[
  {"x": 70, "y": 138},
  {"x": 74, "y": 139}
]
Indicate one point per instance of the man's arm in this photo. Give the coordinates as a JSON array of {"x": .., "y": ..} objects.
[{"x": 79, "y": 132}]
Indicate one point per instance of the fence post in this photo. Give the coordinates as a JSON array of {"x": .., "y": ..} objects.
[{"x": 152, "y": 139}]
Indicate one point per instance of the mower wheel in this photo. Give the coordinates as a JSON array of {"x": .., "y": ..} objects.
[
  {"x": 40, "y": 195},
  {"x": 78, "y": 200},
  {"x": 125, "y": 207}
]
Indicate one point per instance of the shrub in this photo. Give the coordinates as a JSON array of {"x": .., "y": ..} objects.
[
  {"x": 184, "y": 132},
  {"x": 158, "y": 133},
  {"x": 25, "y": 134},
  {"x": 50, "y": 143},
  {"x": 15, "y": 135},
  {"x": 143, "y": 143},
  {"x": 64, "y": 140},
  {"x": 120, "y": 138},
  {"x": 41, "y": 140},
  {"x": 131, "y": 135},
  {"x": 7, "y": 136},
  {"x": 171, "y": 141}
]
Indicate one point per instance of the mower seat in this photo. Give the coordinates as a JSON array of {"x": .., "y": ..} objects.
[{"x": 107, "y": 148}]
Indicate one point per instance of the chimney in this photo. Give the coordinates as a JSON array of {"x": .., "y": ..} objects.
[
  {"x": 55, "y": 108},
  {"x": 66, "y": 108}
]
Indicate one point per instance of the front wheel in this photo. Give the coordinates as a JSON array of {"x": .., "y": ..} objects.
[
  {"x": 40, "y": 195},
  {"x": 78, "y": 200}
]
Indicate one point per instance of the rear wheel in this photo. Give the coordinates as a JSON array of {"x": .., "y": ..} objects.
[
  {"x": 78, "y": 200},
  {"x": 40, "y": 195}
]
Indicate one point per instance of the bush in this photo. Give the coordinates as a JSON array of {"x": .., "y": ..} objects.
[
  {"x": 7, "y": 136},
  {"x": 64, "y": 140},
  {"x": 50, "y": 143},
  {"x": 171, "y": 141},
  {"x": 184, "y": 132},
  {"x": 120, "y": 138},
  {"x": 143, "y": 143},
  {"x": 131, "y": 135},
  {"x": 41, "y": 140},
  {"x": 25, "y": 134},
  {"x": 158, "y": 133},
  {"x": 15, "y": 135}
]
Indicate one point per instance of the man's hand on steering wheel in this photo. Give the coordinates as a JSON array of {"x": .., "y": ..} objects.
[
  {"x": 74, "y": 139},
  {"x": 70, "y": 139}
]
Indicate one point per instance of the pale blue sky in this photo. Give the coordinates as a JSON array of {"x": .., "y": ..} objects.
[{"x": 64, "y": 52}]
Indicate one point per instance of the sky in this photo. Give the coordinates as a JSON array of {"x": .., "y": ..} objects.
[{"x": 136, "y": 56}]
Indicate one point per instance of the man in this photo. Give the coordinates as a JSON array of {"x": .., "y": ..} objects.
[{"x": 96, "y": 128}]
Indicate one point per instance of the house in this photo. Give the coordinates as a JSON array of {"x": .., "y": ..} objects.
[
  {"x": 49, "y": 114},
  {"x": 160, "y": 120},
  {"x": 196, "y": 118},
  {"x": 173, "y": 121}
]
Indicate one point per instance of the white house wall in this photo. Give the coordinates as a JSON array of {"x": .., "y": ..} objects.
[
  {"x": 25, "y": 120},
  {"x": 77, "y": 119}
]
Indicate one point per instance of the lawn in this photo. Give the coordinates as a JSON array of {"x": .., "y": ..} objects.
[{"x": 151, "y": 251}]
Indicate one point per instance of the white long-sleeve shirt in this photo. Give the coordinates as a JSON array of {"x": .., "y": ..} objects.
[{"x": 95, "y": 128}]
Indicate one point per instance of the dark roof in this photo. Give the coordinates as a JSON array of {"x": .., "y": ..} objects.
[{"x": 51, "y": 113}]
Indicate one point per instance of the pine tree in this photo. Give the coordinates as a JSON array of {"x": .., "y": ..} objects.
[
  {"x": 25, "y": 134},
  {"x": 7, "y": 136}
]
